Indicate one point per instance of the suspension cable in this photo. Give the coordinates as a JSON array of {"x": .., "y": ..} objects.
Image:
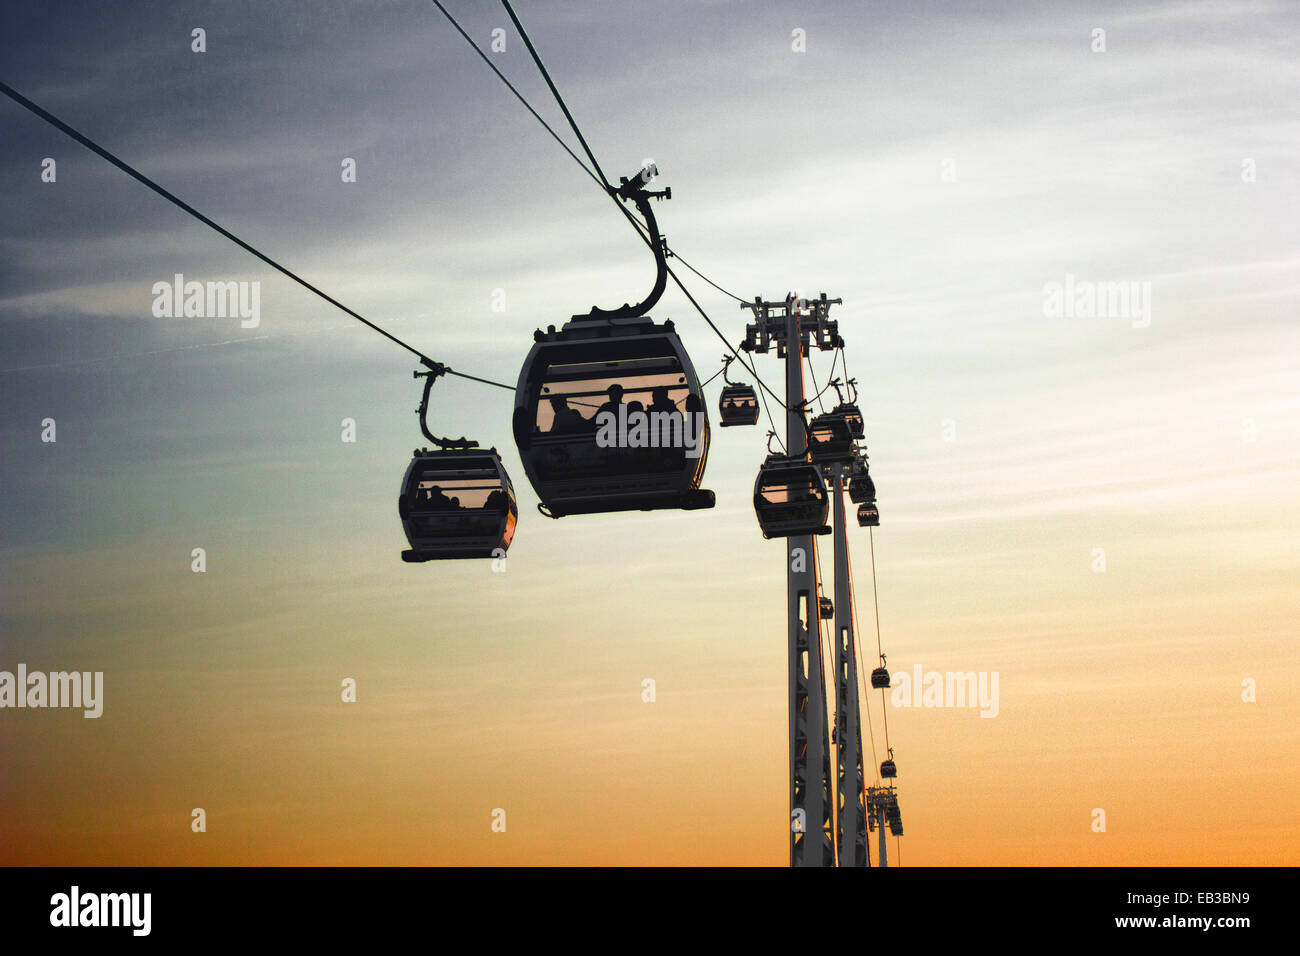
[
  {"x": 541, "y": 67},
  {"x": 813, "y": 375},
  {"x": 871, "y": 539},
  {"x": 829, "y": 380},
  {"x": 712, "y": 377},
  {"x": 678, "y": 257},
  {"x": 876, "y": 598},
  {"x": 599, "y": 178},
  {"x": 171, "y": 197},
  {"x": 211, "y": 224},
  {"x": 864, "y": 707},
  {"x": 175, "y": 200},
  {"x": 772, "y": 423},
  {"x": 864, "y": 699}
]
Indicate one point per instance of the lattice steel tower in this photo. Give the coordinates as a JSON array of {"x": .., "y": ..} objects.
[{"x": 794, "y": 324}]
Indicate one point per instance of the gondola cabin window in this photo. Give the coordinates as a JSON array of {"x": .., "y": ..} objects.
[{"x": 573, "y": 395}]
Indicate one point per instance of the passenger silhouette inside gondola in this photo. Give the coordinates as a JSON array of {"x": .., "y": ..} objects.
[
  {"x": 435, "y": 500},
  {"x": 662, "y": 403},
  {"x": 615, "y": 393},
  {"x": 695, "y": 412},
  {"x": 496, "y": 501},
  {"x": 565, "y": 419}
]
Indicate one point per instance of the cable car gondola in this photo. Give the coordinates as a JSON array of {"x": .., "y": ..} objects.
[
  {"x": 829, "y": 439},
  {"x": 861, "y": 487},
  {"x": 889, "y": 770},
  {"x": 826, "y": 608},
  {"x": 457, "y": 503},
  {"x": 880, "y": 679},
  {"x": 894, "y": 817},
  {"x": 868, "y": 515},
  {"x": 738, "y": 403},
  {"x": 790, "y": 498},
  {"x": 849, "y": 410},
  {"x": 609, "y": 414},
  {"x": 456, "y": 500}
]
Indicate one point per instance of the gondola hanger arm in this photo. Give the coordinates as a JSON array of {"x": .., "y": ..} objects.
[
  {"x": 635, "y": 189},
  {"x": 434, "y": 370}
]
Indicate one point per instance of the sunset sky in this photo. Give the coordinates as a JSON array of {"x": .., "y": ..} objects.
[{"x": 934, "y": 166}]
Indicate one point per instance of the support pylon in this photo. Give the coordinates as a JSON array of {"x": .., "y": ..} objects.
[
  {"x": 812, "y": 840},
  {"x": 851, "y": 809}
]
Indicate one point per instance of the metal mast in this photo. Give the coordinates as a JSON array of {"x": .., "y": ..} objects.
[
  {"x": 884, "y": 850},
  {"x": 851, "y": 820},
  {"x": 812, "y": 842},
  {"x": 882, "y": 812}
]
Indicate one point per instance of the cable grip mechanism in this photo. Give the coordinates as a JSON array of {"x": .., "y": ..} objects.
[{"x": 435, "y": 370}]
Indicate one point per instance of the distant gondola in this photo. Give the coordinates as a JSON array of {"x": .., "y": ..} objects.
[
  {"x": 829, "y": 440},
  {"x": 826, "y": 608},
  {"x": 861, "y": 487},
  {"x": 880, "y": 678},
  {"x": 849, "y": 410},
  {"x": 894, "y": 817},
  {"x": 738, "y": 405},
  {"x": 456, "y": 500},
  {"x": 790, "y": 498},
  {"x": 852, "y": 418},
  {"x": 868, "y": 515},
  {"x": 457, "y": 503}
]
